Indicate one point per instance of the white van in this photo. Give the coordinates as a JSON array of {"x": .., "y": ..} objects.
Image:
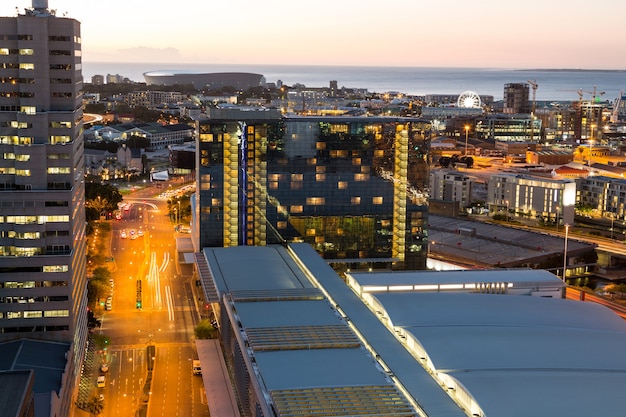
[{"x": 197, "y": 369}]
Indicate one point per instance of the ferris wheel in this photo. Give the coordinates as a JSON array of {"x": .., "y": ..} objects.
[{"x": 469, "y": 100}]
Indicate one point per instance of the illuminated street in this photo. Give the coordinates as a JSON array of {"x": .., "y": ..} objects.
[{"x": 151, "y": 306}]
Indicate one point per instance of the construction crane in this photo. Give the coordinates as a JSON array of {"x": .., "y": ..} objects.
[
  {"x": 595, "y": 117},
  {"x": 595, "y": 94},
  {"x": 579, "y": 91},
  {"x": 532, "y": 111}
]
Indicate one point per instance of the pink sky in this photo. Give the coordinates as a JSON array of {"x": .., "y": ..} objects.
[{"x": 441, "y": 33}]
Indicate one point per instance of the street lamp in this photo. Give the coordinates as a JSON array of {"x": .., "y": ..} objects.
[
  {"x": 565, "y": 252},
  {"x": 466, "y": 133},
  {"x": 590, "y": 144}
]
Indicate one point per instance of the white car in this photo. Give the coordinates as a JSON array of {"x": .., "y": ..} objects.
[{"x": 123, "y": 234}]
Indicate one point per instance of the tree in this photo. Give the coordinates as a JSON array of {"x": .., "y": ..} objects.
[
  {"x": 105, "y": 192},
  {"x": 205, "y": 330}
]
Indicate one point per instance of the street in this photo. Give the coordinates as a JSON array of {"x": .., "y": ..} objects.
[{"x": 151, "y": 306}]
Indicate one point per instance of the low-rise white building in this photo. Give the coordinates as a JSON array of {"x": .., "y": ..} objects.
[
  {"x": 544, "y": 199},
  {"x": 451, "y": 186}
]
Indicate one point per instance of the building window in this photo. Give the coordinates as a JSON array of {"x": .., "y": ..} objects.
[
  {"x": 296, "y": 209},
  {"x": 27, "y": 51},
  {"x": 342, "y": 185},
  {"x": 59, "y": 170},
  {"x": 55, "y": 268},
  {"x": 60, "y": 139},
  {"x": 315, "y": 201},
  {"x": 377, "y": 200},
  {"x": 25, "y": 66},
  {"x": 61, "y": 125},
  {"x": 355, "y": 200}
]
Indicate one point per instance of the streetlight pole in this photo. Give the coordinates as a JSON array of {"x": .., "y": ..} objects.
[
  {"x": 590, "y": 145},
  {"x": 466, "y": 133},
  {"x": 565, "y": 253}
]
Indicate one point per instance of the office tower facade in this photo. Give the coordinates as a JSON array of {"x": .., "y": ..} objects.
[
  {"x": 355, "y": 188},
  {"x": 516, "y": 98},
  {"x": 42, "y": 220}
]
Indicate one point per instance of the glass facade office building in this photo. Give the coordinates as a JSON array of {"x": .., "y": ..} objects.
[{"x": 355, "y": 188}]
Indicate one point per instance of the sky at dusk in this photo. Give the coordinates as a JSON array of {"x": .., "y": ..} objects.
[{"x": 416, "y": 33}]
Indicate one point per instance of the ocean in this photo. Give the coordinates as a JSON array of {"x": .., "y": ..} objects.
[{"x": 553, "y": 84}]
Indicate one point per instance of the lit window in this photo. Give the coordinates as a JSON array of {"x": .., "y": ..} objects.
[
  {"x": 361, "y": 177},
  {"x": 28, "y": 109},
  {"x": 58, "y": 170},
  {"x": 22, "y": 172},
  {"x": 59, "y": 139},
  {"x": 342, "y": 185},
  {"x": 310, "y": 232},
  {"x": 355, "y": 200},
  {"x": 315, "y": 201},
  {"x": 379, "y": 153},
  {"x": 55, "y": 268},
  {"x": 320, "y": 146},
  {"x": 356, "y": 161},
  {"x": 25, "y": 66},
  {"x": 281, "y": 225},
  {"x": 57, "y": 313},
  {"x": 320, "y": 177},
  {"x": 297, "y": 177},
  {"x": 296, "y": 209},
  {"x": 27, "y": 51},
  {"x": 215, "y": 202},
  {"x": 273, "y": 185},
  {"x": 377, "y": 200}
]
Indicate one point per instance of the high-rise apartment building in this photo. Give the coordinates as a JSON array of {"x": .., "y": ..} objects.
[
  {"x": 352, "y": 187},
  {"x": 42, "y": 216}
]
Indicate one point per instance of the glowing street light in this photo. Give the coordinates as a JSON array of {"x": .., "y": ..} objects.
[
  {"x": 590, "y": 145},
  {"x": 466, "y": 133}
]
